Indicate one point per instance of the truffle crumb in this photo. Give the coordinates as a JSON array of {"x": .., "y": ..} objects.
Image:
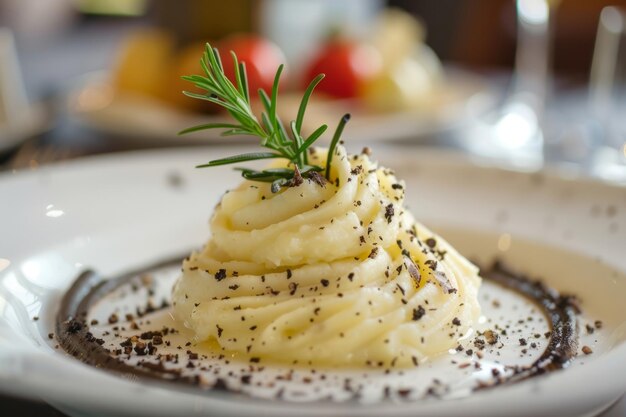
[
  {"x": 220, "y": 275},
  {"x": 389, "y": 212},
  {"x": 491, "y": 337},
  {"x": 418, "y": 313}
]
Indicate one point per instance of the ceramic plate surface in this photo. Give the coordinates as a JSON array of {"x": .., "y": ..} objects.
[{"x": 121, "y": 212}]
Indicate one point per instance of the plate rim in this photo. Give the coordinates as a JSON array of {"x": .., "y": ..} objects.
[{"x": 102, "y": 161}]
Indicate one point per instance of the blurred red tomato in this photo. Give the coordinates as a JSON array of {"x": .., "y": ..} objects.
[
  {"x": 348, "y": 66},
  {"x": 261, "y": 56}
]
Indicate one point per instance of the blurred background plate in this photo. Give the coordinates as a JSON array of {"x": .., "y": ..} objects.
[{"x": 151, "y": 122}]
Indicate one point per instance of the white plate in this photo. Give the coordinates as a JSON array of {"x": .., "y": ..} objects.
[
  {"x": 146, "y": 121},
  {"x": 118, "y": 212}
]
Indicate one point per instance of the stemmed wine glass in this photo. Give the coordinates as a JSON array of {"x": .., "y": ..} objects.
[
  {"x": 609, "y": 130},
  {"x": 513, "y": 134}
]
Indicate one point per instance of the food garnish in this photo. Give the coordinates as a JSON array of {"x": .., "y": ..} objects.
[{"x": 291, "y": 144}]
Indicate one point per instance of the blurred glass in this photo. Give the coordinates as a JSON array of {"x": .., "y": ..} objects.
[
  {"x": 607, "y": 96},
  {"x": 13, "y": 100},
  {"x": 513, "y": 134},
  {"x": 18, "y": 117},
  {"x": 585, "y": 129},
  {"x": 36, "y": 19}
]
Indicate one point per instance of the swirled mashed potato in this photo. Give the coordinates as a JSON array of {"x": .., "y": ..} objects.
[{"x": 339, "y": 274}]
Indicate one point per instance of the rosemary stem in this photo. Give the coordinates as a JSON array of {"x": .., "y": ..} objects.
[{"x": 333, "y": 143}]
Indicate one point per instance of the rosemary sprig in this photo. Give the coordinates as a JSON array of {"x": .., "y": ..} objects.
[{"x": 235, "y": 98}]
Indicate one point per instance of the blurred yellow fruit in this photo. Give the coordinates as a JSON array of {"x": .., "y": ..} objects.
[
  {"x": 187, "y": 62},
  {"x": 396, "y": 34},
  {"x": 427, "y": 57},
  {"x": 406, "y": 85},
  {"x": 412, "y": 72},
  {"x": 143, "y": 64}
]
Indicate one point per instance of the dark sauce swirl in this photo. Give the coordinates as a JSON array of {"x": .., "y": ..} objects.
[
  {"x": 73, "y": 333},
  {"x": 560, "y": 310}
]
